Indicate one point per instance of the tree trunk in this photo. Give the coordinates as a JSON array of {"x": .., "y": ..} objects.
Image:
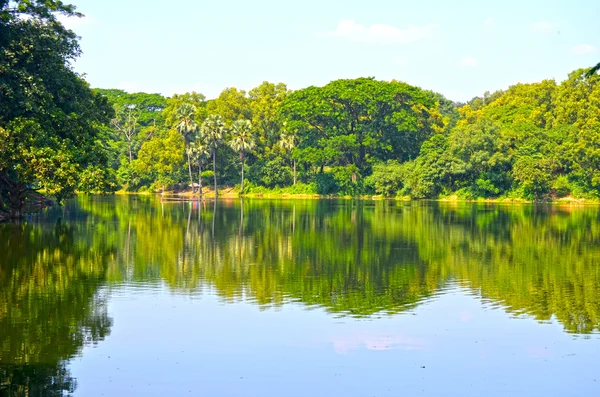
[
  {"x": 294, "y": 172},
  {"x": 190, "y": 171},
  {"x": 130, "y": 152},
  {"x": 215, "y": 172},
  {"x": 243, "y": 161},
  {"x": 16, "y": 195},
  {"x": 200, "y": 178}
]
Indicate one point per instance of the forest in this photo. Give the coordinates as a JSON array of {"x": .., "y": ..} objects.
[
  {"x": 363, "y": 137},
  {"x": 351, "y": 137}
]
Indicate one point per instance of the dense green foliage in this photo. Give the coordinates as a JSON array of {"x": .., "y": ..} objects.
[
  {"x": 350, "y": 137},
  {"x": 50, "y": 121},
  {"x": 354, "y": 137}
]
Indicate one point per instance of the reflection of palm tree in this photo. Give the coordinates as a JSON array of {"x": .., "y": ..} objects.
[
  {"x": 241, "y": 228},
  {"x": 213, "y": 133},
  {"x": 242, "y": 141},
  {"x": 213, "y": 220}
]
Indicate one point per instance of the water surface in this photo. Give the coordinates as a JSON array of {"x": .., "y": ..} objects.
[{"x": 131, "y": 295}]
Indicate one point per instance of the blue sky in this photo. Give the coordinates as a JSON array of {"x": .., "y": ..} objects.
[{"x": 458, "y": 48}]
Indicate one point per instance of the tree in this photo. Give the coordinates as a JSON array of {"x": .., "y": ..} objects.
[
  {"x": 265, "y": 101},
  {"x": 354, "y": 122},
  {"x": 212, "y": 132},
  {"x": 169, "y": 112},
  {"x": 199, "y": 152},
  {"x": 50, "y": 120},
  {"x": 160, "y": 159},
  {"x": 232, "y": 104},
  {"x": 288, "y": 142},
  {"x": 187, "y": 126},
  {"x": 242, "y": 141},
  {"x": 126, "y": 123}
]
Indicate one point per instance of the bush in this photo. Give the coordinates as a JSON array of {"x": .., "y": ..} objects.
[
  {"x": 271, "y": 173},
  {"x": 386, "y": 179},
  {"x": 208, "y": 174},
  {"x": 299, "y": 188},
  {"x": 561, "y": 187},
  {"x": 302, "y": 188},
  {"x": 325, "y": 183},
  {"x": 348, "y": 180}
]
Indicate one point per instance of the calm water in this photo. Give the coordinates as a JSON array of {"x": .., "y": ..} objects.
[{"x": 133, "y": 296}]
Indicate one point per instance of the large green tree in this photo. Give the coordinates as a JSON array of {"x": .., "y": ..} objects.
[
  {"x": 49, "y": 117},
  {"x": 354, "y": 122}
]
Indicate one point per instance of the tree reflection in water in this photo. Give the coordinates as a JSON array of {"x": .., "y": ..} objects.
[{"x": 352, "y": 258}]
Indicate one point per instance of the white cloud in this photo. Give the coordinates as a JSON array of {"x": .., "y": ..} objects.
[
  {"x": 584, "y": 49},
  {"x": 468, "y": 62},
  {"x": 543, "y": 27},
  {"x": 382, "y": 34}
]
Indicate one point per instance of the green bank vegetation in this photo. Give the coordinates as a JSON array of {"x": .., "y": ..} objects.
[{"x": 354, "y": 137}]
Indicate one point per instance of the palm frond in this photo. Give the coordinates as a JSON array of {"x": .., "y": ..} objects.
[{"x": 592, "y": 71}]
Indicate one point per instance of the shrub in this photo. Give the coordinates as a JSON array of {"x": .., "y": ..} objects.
[
  {"x": 386, "y": 178},
  {"x": 348, "y": 180},
  {"x": 325, "y": 183}
]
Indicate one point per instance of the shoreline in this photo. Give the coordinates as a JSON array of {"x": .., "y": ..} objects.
[{"x": 231, "y": 194}]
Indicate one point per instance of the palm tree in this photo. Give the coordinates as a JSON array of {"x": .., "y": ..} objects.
[
  {"x": 288, "y": 142},
  {"x": 242, "y": 141},
  {"x": 213, "y": 133},
  {"x": 593, "y": 71},
  {"x": 187, "y": 126},
  {"x": 199, "y": 151}
]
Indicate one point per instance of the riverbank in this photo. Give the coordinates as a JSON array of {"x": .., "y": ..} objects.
[{"x": 232, "y": 193}]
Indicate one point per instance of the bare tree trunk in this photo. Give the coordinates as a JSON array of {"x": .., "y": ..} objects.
[
  {"x": 200, "y": 178},
  {"x": 243, "y": 161},
  {"x": 215, "y": 172},
  {"x": 294, "y": 172},
  {"x": 130, "y": 154},
  {"x": 190, "y": 170}
]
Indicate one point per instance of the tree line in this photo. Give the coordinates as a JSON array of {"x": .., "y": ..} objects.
[
  {"x": 367, "y": 137},
  {"x": 349, "y": 137}
]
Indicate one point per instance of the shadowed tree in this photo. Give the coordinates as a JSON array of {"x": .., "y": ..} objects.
[
  {"x": 212, "y": 132},
  {"x": 187, "y": 126},
  {"x": 242, "y": 141}
]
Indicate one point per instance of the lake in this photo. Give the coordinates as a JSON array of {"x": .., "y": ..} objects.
[{"x": 134, "y": 296}]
